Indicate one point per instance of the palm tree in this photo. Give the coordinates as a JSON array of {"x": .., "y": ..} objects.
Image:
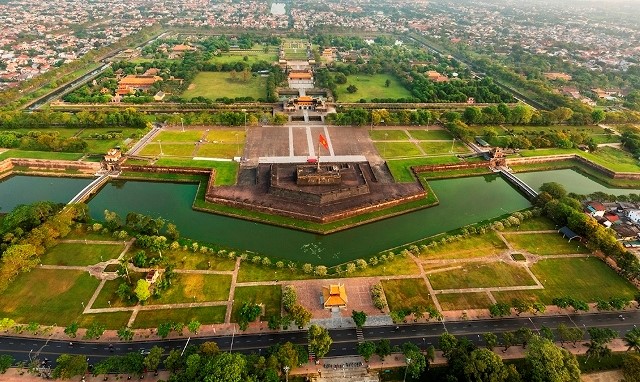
[{"x": 632, "y": 339}]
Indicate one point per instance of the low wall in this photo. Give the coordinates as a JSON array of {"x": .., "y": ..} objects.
[
  {"x": 167, "y": 170},
  {"x": 49, "y": 165},
  {"x": 582, "y": 160},
  {"x": 448, "y": 167}
]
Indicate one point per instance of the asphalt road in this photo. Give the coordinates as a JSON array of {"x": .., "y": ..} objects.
[{"x": 344, "y": 340}]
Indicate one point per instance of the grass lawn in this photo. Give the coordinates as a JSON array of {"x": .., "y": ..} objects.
[
  {"x": 605, "y": 138},
  {"x": 199, "y": 261},
  {"x": 252, "y": 272},
  {"x": 587, "y": 279},
  {"x": 400, "y": 169},
  {"x": 171, "y": 149},
  {"x": 461, "y": 301},
  {"x": 540, "y": 223},
  {"x": 108, "y": 293},
  {"x": 460, "y": 173},
  {"x": 81, "y": 254},
  {"x": 226, "y": 136},
  {"x": 481, "y": 276},
  {"x": 614, "y": 159},
  {"x": 270, "y": 296},
  {"x": 401, "y": 265},
  {"x": 215, "y": 85},
  {"x": 205, "y": 315},
  {"x": 82, "y": 234},
  {"x": 406, "y": 293},
  {"x": 470, "y": 247},
  {"x": 433, "y": 148},
  {"x": 253, "y": 56},
  {"x": 370, "y": 87},
  {"x": 397, "y": 149},
  {"x": 545, "y": 244},
  {"x": 388, "y": 135},
  {"x": 226, "y": 172},
  {"x": 112, "y": 320},
  {"x": 430, "y": 135},
  {"x": 545, "y": 152},
  {"x": 220, "y": 150},
  {"x": 195, "y": 288},
  {"x": 55, "y": 300},
  {"x": 40, "y": 155},
  {"x": 178, "y": 136}
]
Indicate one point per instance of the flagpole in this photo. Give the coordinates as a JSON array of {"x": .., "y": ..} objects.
[{"x": 318, "y": 161}]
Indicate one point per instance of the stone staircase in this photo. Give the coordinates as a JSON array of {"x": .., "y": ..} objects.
[{"x": 344, "y": 369}]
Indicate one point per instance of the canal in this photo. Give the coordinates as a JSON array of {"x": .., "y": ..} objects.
[{"x": 462, "y": 201}]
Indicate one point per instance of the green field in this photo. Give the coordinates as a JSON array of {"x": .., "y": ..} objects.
[
  {"x": 534, "y": 224},
  {"x": 195, "y": 288},
  {"x": 388, "y": 135},
  {"x": 435, "y": 148},
  {"x": 401, "y": 265},
  {"x": 609, "y": 157},
  {"x": 39, "y": 155},
  {"x": 199, "y": 261},
  {"x": 400, "y": 169},
  {"x": 81, "y": 254},
  {"x": 587, "y": 279},
  {"x": 226, "y": 172},
  {"x": 108, "y": 293},
  {"x": 214, "y": 85},
  {"x": 406, "y": 294},
  {"x": 252, "y": 272},
  {"x": 431, "y": 135},
  {"x": 461, "y": 301},
  {"x": 220, "y": 150},
  {"x": 48, "y": 296},
  {"x": 112, "y": 320},
  {"x": 481, "y": 276},
  {"x": 190, "y": 136},
  {"x": 545, "y": 244},
  {"x": 226, "y": 136},
  {"x": 254, "y": 55},
  {"x": 470, "y": 247},
  {"x": 371, "y": 86},
  {"x": 397, "y": 149},
  {"x": 171, "y": 149},
  {"x": 269, "y": 296},
  {"x": 205, "y": 315}
]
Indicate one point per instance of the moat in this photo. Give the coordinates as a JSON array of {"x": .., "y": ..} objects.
[{"x": 462, "y": 201}]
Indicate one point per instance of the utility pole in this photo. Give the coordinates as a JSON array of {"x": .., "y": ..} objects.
[{"x": 405, "y": 370}]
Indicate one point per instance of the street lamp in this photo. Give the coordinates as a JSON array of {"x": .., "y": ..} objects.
[
  {"x": 237, "y": 144},
  {"x": 160, "y": 143},
  {"x": 405, "y": 370},
  {"x": 385, "y": 144},
  {"x": 245, "y": 120},
  {"x": 286, "y": 373}
]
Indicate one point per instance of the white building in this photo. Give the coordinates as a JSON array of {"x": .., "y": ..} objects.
[{"x": 633, "y": 215}]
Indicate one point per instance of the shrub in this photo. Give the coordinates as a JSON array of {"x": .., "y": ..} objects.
[{"x": 378, "y": 297}]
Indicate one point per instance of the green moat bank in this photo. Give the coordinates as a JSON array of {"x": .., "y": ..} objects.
[{"x": 463, "y": 201}]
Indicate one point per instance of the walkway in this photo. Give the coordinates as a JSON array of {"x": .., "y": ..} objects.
[
  {"x": 144, "y": 140},
  {"x": 90, "y": 188},
  {"x": 531, "y": 193}
]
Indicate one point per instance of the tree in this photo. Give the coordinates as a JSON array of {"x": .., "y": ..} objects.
[
  {"x": 632, "y": 339},
  {"x": 288, "y": 355},
  {"x": 472, "y": 115},
  {"x": 194, "y": 326},
  {"x": 523, "y": 336},
  {"x": 319, "y": 340},
  {"x": 209, "y": 349},
  {"x": 95, "y": 331},
  {"x": 491, "y": 340},
  {"x": 164, "y": 328},
  {"x": 387, "y": 83},
  {"x": 68, "y": 366},
  {"x": 152, "y": 360},
  {"x": 6, "y": 361},
  {"x": 508, "y": 339},
  {"x": 289, "y": 297},
  {"x": 500, "y": 309},
  {"x": 598, "y": 115},
  {"x": 352, "y": 89},
  {"x": 599, "y": 339},
  {"x": 359, "y": 318},
  {"x": 448, "y": 342},
  {"x": 556, "y": 190},
  {"x": 547, "y": 333},
  {"x": 366, "y": 349},
  {"x": 125, "y": 333},
  {"x": 226, "y": 367},
  {"x": 300, "y": 315},
  {"x": 484, "y": 365},
  {"x": 142, "y": 290},
  {"x": 418, "y": 362},
  {"x": 521, "y": 306},
  {"x": 631, "y": 367},
  {"x": 548, "y": 363},
  {"x": 383, "y": 348},
  {"x": 174, "y": 361},
  {"x": 72, "y": 329}
]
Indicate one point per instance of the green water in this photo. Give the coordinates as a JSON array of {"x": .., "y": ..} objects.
[
  {"x": 462, "y": 201},
  {"x": 572, "y": 180},
  {"x": 18, "y": 190}
]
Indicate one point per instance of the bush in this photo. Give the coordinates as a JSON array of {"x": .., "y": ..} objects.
[
  {"x": 378, "y": 297},
  {"x": 289, "y": 297}
]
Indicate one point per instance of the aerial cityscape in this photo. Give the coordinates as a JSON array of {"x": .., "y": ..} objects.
[{"x": 379, "y": 190}]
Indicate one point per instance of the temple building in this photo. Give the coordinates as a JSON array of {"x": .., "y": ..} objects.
[
  {"x": 304, "y": 103},
  {"x": 334, "y": 296}
]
